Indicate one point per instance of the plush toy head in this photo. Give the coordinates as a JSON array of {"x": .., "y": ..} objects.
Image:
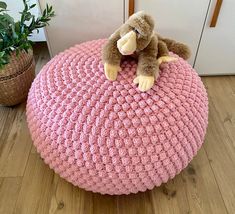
[{"x": 136, "y": 33}]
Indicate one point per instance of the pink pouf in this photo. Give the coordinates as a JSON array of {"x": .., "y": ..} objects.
[{"x": 108, "y": 137}]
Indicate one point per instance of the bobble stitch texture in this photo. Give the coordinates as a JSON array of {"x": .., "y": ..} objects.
[{"x": 108, "y": 137}]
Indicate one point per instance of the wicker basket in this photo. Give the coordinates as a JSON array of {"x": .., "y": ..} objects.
[{"x": 16, "y": 78}]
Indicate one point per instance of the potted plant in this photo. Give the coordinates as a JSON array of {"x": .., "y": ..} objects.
[{"x": 17, "y": 67}]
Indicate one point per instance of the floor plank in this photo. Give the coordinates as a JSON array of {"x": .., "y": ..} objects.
[
  {"x": 135, "y": 203},
  {"x": 15, "y": 146},
  {"x": 219, "y": 144},
  {"x": 222, "y": 97},
  {"x": 67, "y": 198},
  {"x": 7, "y": 116},
  {"x": 37, "y": 187},
  {"x": 9, "y": 190},
  {"x": 171, "y": 197},
  {"x": 201, "y": 187},
  {"x": 41, "y": 55}
]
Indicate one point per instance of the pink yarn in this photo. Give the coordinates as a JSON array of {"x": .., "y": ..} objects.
[{"x": 108, "y": 137}]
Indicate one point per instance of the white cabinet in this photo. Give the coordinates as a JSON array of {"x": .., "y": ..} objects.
[
  {"x": 213, "y": 49},
  {"x": 181, "y": 20},
  {"x": 216, "y": 54},
  {"x": 14, "y": 9},
  {"x": 77, "y": 21}
]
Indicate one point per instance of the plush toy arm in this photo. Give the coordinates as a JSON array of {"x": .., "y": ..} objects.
[
  {"x": 147, "y": 66},
  {"x": 111, "y": 56},
  {"x": 162, "y": 49},
  {"x": 176, "y": 47},
  {"x": 163, "y": 53},
  {"x": 110, "y": 52}
]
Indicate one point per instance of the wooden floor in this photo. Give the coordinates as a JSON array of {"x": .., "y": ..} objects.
[{"x": 207, "y": 185}]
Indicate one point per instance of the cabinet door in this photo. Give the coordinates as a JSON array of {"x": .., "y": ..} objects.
[
  {"x": 181, "y": 20},
  {"x": 216, "y": 55},
  {"x": 14, "y": 9},
  {"x": 77, "y": 21}
]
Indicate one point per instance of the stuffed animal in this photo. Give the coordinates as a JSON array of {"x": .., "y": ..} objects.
[{"x": 136, "y": 37}]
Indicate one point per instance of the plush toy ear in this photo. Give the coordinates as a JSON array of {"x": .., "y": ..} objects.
[{"x": 142, "y": 21}]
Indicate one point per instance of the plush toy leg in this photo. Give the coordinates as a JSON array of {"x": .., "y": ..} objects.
[
  {"x": 111, "y": 71},
  {"x": 166, "y": 59},
  {"x": 145, "y": 82}
]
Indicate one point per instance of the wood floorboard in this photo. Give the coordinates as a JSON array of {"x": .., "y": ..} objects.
[
  {"x": 27, "y": 185},
  {"x": 16, "y": 145},
  {"x": 9, "y": 191}
]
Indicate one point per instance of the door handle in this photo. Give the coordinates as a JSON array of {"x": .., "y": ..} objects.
[
  {"x": 131, "y": 7},
  {"x": 216, "y": 13}
]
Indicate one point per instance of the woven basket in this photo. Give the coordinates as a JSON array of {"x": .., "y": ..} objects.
[{"x": 16, "y": 78}]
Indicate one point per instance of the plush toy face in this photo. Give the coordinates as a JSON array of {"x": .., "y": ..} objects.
[
  {"x": 135, "y": 33},
  {"x": 127, "y": 44}
]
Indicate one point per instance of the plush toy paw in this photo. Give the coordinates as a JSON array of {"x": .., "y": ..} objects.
[
  {"x": 166, "y": 59},
  {"x": 145, "y": 82},
  {"x": 111, "y": 71}
]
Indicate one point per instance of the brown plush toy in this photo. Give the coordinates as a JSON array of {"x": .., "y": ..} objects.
[{"x": 136, "y": 37}]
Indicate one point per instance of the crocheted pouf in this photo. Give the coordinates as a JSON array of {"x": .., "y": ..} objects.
[{"x": 109, "y": 137}]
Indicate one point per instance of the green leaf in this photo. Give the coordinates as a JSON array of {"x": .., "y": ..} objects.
[
  {"x": 44, "y": 13},
  {"x": 2, "y": 54},
  {"x": 32, "y": 6},
  {"x": 14, "y": 36},
  {"x": 3, "y": 5},
  {"x": 9, "y": 18},
  {"x": 17, "y": 27}
]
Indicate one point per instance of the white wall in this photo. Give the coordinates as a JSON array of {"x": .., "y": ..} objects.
[{"x": 77, "y": 21}]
